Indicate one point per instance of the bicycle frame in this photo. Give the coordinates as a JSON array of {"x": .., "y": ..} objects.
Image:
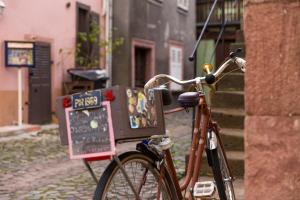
[{"x": 202, "y": 124}]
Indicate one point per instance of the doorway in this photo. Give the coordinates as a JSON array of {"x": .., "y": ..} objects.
[
  {"x": 39, "y": 101},
  {"x": 141, "y": 66},
  {"x": 142, "y": 62}
]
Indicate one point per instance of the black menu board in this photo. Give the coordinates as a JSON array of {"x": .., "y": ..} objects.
[{"x": 90, "y": 132}]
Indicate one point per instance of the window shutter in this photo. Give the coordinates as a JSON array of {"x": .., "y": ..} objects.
[
  {"x": 176, "y": 66},
  {"x": 94, "y": 47}
]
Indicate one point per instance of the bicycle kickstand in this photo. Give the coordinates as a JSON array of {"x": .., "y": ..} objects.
[{"x": 88, "y": 166}]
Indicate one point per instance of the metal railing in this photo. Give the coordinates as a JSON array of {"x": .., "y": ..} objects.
[{"x": 211, "y": 10}]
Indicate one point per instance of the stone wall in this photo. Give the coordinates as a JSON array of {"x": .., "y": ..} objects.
[{"x": 272, "y": 100}]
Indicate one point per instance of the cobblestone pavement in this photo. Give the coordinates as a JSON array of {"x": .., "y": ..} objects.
[{"x": 38, "y": 167}]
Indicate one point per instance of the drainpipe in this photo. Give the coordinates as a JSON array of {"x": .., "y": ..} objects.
[{"x": 108, "y": 37}]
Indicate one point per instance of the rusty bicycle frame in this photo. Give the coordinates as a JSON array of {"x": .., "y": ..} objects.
[{"x": 202, "y": 124}]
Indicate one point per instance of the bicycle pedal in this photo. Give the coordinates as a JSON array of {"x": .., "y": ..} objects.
[{"x": 204, "y": 189}]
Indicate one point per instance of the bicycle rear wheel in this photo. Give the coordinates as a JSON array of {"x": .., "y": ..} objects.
[
  {"x": 221, "y": 174},
  {"x": 142, "y": 173}
]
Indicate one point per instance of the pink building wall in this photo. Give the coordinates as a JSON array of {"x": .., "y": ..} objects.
[{"x": 35, "y": 20}]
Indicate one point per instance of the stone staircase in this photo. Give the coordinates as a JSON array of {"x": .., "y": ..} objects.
[
  {"x": 228, "y": 110},
  {"x": 228, "y": 105}
]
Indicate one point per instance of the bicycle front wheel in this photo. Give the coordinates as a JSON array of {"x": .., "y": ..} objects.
[
  {"x": 221, "y": 174},
  {"x": 141, "y": 172}
]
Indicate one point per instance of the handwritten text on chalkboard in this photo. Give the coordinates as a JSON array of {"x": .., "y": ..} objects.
[{"x": 90, "y": 132}]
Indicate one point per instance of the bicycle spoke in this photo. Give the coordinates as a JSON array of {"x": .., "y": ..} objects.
[
  {"x": 143, "y": 181},
  {"x": 142, "y": 178}
]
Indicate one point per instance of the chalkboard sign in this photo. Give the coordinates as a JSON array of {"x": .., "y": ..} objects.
[{"x": 90, "y": 132}]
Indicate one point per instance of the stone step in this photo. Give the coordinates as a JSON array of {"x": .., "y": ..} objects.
[
  {"x": 235, "y": 161},
  {"x": 232, "y": 143},
  {"x": 228, "y": 117},
  {"x": 231, "y": 82},
  {"x": 228, "y": 99},
  {"x": 232, "y": 132},
  {"x": 235, "y": 155}
]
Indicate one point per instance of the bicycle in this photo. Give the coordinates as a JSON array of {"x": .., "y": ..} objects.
[{"x": 149, "y": 172}]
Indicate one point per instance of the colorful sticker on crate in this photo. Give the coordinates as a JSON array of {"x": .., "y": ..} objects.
[{"x": 141, "y": 109}]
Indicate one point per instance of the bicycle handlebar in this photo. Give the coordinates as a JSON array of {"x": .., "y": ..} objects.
[{"x": 208, "y": 79}]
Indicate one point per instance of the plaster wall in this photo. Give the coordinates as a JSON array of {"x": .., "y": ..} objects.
[{"x": 44, "y": 21}]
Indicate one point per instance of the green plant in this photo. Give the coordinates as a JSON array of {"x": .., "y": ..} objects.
[
  {"x": 87, "y": 51},
  {"x": 89, "y": 44}
]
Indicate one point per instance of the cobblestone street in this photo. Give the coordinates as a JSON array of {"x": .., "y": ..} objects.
[{"x": 38, "y": 167}]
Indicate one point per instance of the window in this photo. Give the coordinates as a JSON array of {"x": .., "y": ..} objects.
[
  {"x": 184, "y": 4},
  {"x": 156, "y": 2},
  {"x": 176, "y": 65},
  {"x": 87, "y": 37}
]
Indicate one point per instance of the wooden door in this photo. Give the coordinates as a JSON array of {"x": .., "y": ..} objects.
[{"x": 40, "y": 86}]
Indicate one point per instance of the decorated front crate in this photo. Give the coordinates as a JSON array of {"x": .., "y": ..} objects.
[{"x": 94, "y": 120}]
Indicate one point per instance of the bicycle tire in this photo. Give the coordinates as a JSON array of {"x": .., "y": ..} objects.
[
  {"x": 221, "y": 174},
  {"x": 113, "y": 185}
]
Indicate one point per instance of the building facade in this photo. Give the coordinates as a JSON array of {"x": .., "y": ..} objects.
[
  {"x": 223, "y": 31},
  {"x": 53, "y": 26},
  {"x": 159, "y": 35}
]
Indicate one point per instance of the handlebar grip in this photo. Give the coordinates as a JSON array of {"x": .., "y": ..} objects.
[
  {"x": 210, "y": 78},
  {"x": 241, "y": 63}
]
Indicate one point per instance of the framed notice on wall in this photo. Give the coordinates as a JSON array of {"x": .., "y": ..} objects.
[
  {"x": 19, "y": 54},
  {"x": 90, "y": 132}
]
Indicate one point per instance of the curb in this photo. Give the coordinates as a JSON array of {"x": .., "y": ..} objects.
[{"x": 7, "y": 131}]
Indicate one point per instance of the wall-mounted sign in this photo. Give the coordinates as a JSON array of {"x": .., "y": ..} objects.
[
  {"x": 19, "y": 54},
  {"x": 90, "y": 132}
]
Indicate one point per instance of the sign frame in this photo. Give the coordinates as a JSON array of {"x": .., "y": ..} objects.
[
  {"x": 17, "y": 46},
  {"x": 111, "y": 135}
]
